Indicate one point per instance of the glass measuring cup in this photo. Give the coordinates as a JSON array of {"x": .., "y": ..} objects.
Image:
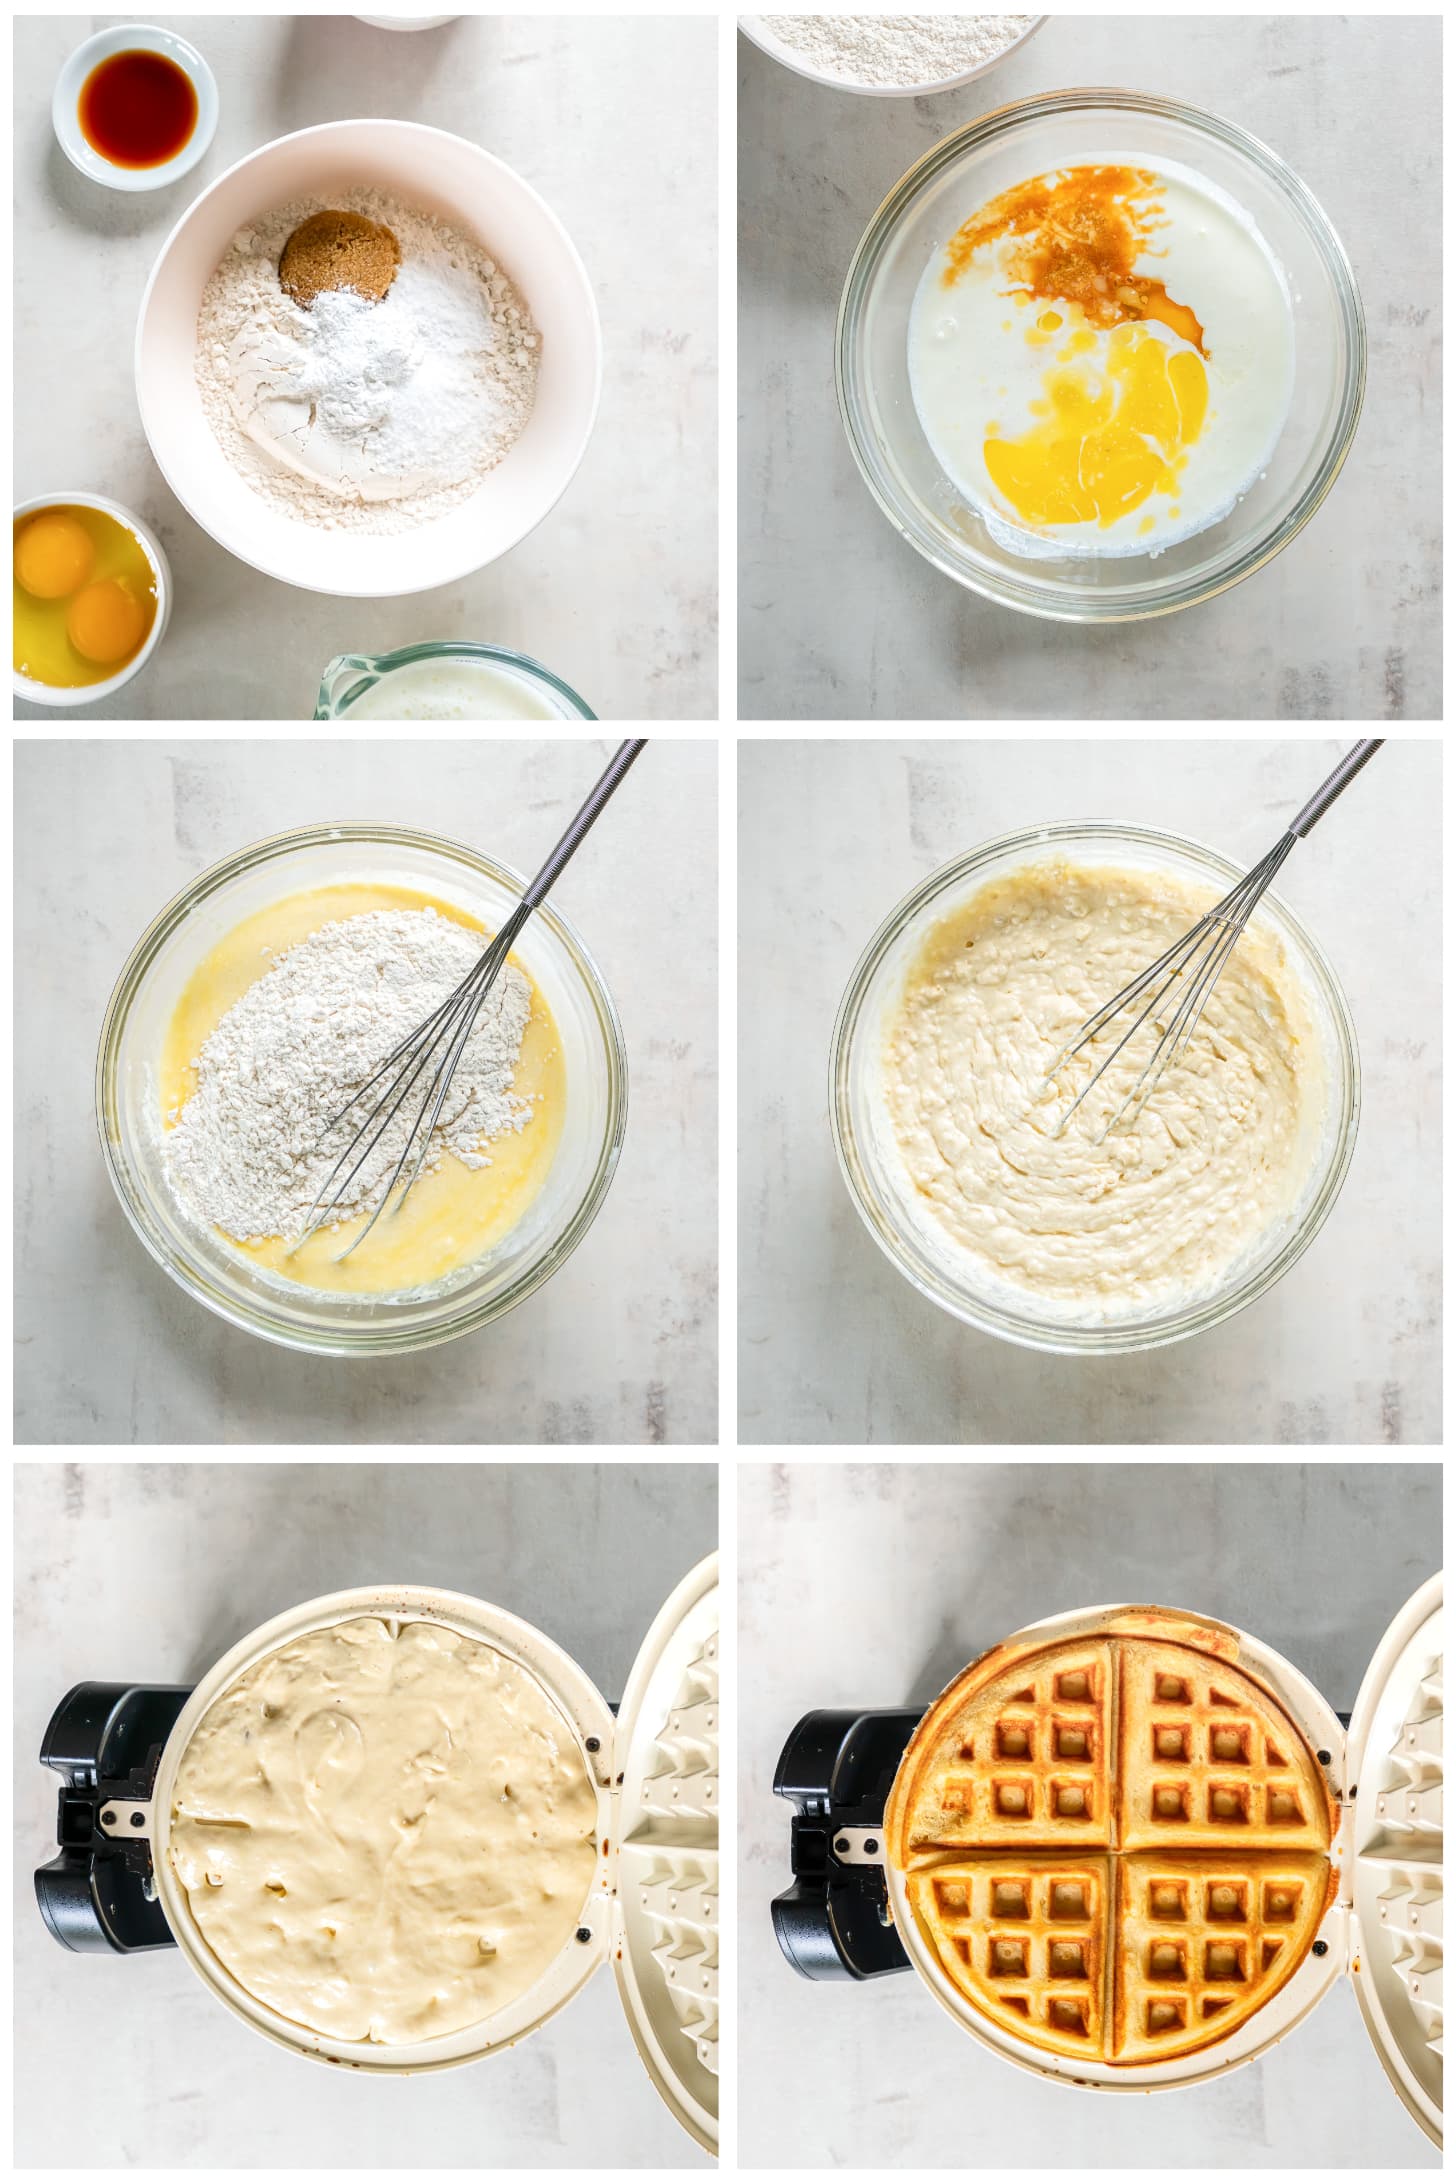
[{"x": 449, "y": 680}]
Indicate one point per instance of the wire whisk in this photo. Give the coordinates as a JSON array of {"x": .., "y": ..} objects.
[
  {"x": 1194, "y": 963},
  {"x": 444, "y": 1034}
]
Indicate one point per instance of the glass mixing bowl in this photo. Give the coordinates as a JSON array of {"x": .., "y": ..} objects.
[
  {"x": 128, "y": 1100},
  {"x": 977, "y": 163},
  {"x": 869, "y": 1156}
]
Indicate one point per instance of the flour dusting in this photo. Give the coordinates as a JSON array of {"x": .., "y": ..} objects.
[
  {"x": 247, "y": 1152},
  {"x": 892, "y": 52}
]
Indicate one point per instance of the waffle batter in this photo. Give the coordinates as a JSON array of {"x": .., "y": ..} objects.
[
  {"x": 385, "y": 1833},
  {"x": 1155, "y": 1216}
]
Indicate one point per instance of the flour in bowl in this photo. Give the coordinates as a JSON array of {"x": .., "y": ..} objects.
[
  {"x": 896, "y": 52},
  {"x": 364, "y": 414},
  {"x": 251, "y": 1149}
]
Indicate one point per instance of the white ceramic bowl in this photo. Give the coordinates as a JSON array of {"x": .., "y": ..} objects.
[
  {"x": 39, "y": 693},
  {"x": 460, "y": 183},
  {"x": 755, "y": 27},
  {"x": 65, "y": 103}
]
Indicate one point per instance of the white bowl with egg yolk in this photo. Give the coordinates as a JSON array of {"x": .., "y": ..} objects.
[
  {"x": 461, "y": 184},
  {"x": 25, "y": 687}
]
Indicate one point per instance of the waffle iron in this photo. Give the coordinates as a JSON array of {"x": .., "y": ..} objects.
[
  {"x": 846, "y": 1917},
  {"x": 653, "y": 1906}
]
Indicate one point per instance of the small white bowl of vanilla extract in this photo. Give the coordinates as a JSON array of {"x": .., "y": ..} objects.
[{"x": 135, "y": 107}]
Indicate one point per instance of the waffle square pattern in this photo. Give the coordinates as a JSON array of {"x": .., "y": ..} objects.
[{"x": 1118, "y": 1847}]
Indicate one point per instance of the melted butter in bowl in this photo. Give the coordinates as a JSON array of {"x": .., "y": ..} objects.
[{"x": 385, "y": 1833}]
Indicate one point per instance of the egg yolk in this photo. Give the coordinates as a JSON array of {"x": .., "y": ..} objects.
[
  {"x": 53, "y": 556},
  {"x": 1106, "y": 438},
  {"x": 105, "y": 622}
]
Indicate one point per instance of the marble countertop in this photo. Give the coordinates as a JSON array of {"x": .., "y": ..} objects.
[
  {"x": 617, "y": 589},
  {"x": 619, "y": 1346},
  {"x": 835, "y": 1346},
  {"x": 840, "y": 619},
  {"x": 873, "y": 1585},
  {"x": 169, "y": 2078}
]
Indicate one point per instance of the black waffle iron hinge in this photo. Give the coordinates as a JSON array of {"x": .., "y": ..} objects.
[
  {"x": 836, "y": 1770},
  {"x": 104, "y": 1741}
]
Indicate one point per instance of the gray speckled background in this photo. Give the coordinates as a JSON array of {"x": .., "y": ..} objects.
[
  {"x": 834, "y": 1345},
  {"x": 619, "y": 1346},
  {"x": 127, "y": 2062},
  {"x": 614, "y": 119},
  {"x": 872, "y": 1586},
  {"x": 839, "y": 619}
]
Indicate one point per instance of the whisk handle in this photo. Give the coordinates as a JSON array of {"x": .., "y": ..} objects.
[
  {"x": 1360, "y": 755},
  {"x": 612, "y": 775}
]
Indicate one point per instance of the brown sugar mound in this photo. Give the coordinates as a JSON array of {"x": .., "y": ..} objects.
[{"x": 338, "y": 250}]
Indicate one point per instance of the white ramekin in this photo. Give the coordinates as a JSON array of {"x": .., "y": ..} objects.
[
  {"x": 38, "y": 693},
  {"x": 65, "y": 106}
]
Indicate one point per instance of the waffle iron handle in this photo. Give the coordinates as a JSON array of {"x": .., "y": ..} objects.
[
  {"x": 836, "y": 1770},
  {"x": 104, "y": 1741}
]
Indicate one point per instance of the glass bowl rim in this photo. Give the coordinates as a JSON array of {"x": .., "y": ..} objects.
[
  {"x": 1105, "y": 1338},
  {"x": 1027, "y": 596},
  {"x": 450, "y": 1319},
  {"x": 443, "y": 648}
]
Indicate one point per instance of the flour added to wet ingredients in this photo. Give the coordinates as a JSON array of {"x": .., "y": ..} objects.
[
  {"x": 285, "y": 1021},
  {"x": 1102, "y": 358},
  {"x": 1155, "y": 1213},
  {"x": 385, "y": 1832}
]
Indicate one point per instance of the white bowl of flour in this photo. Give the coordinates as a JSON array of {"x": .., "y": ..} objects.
[
  {"x": 299, "y": 536},
  {"x": 890, "y": 56}
]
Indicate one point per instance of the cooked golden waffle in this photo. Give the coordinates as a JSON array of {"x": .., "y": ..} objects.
[
  {"x": 1205, "y": 1757},
  {"x": 1208, "y": 1809},
  {"x": 1026, "y": 1939},
  {"x": 1203, "y": 1941},
  {"x": 1022, "y": 1756}
]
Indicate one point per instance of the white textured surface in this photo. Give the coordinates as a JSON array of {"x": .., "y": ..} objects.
[
  {"x": 872, "y": 1586},
  {"x": 892, "y": 50},
  {"x": 840, "y": 619},
  {"x": 619, "y": 1346},
  {"x": 170, "y": 2078},
  {"x": 836, "y": 1346},
  {"x": 617, "y": 589}
]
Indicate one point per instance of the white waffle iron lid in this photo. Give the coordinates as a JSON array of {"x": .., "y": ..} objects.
[
  {"x": 1394, "y": 1762},
  {"x": 663, "y": 1865}
]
